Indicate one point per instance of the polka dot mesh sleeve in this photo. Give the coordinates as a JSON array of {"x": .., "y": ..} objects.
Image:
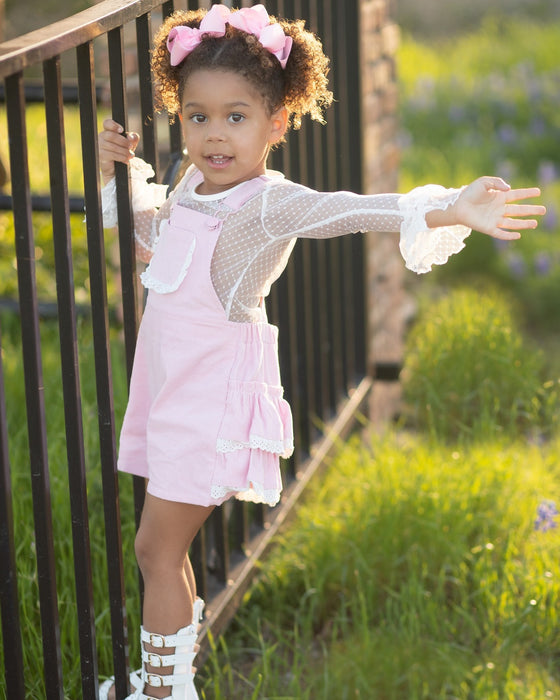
[{"x": 256, "y": 241}]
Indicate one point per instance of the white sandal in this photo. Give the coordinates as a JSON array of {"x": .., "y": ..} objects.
[
  {"x": 181, "y": 681},
  {"x": 139, "y": 678}
]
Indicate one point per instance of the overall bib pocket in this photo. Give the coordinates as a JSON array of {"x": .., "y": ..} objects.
[{"x": 173, "y": 253}]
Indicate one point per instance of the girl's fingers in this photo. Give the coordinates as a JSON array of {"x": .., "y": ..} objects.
[
  {"x": 111, "y": 125},
  {"x": 507, "y": 223},
  {"x": 117, "y": 147},
  {"x": 526, "y": 193},
  {"x": 506, "y": 235},
  {"x": 495, "y": 183},
  {"x": 524, "y": 210}
]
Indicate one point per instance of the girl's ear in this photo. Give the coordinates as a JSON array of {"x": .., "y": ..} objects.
[{"x": 279, "y": 124}]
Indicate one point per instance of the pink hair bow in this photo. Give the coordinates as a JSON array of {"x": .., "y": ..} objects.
[
  {"x": 253, "y": 20},
  {"x": 182, "y": 40}
]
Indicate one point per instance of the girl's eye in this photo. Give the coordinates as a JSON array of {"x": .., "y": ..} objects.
[
  {"x": 236, "y": 117},
  {"x": 198, "y": 118}
]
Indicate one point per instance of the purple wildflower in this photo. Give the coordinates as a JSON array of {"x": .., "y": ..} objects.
[
  {"x": 506, "y": 169},
  {"x": 507, "y": 134},
  {"x": 546, "y": 514},
  {"x": 537, "y": 126},
  {"x": 548, "y": 172},
  {"x": 542, "y": 264}
]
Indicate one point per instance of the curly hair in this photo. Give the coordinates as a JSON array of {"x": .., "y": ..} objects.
[{"x": 301, "y": 87}]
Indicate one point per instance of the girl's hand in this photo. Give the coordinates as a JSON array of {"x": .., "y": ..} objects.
[
  {"x": 115, "y": 145},
  {"x": 486, "y": 205}
]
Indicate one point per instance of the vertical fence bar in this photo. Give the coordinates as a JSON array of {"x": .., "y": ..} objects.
[
  {"x": 349, "y": 23},
  {"x": 96, "y": 249},
  {"x": 175, "y": 136},
  {"x": 34, "y": 389},
  {"x": 149, "y": 133},
  {"x": 339, "y": 168},
  {"x": 335, "y": 177},
  {"x": 9, "y": 603},
  {"x": 62, "y": 236},
  {"x": 304, "y": 375},
  {"x": 219, "y": 523},
  {"x": 199, "y": 562},
  {"x": 240, "y": 525},
  {"x": 124, "y": 209},
  {"x": 332, "y": 164}
]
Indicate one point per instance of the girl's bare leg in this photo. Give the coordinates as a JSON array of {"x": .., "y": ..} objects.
[
  {"x": 189, "y": 574},
  {"x": 166, "y": 532}
]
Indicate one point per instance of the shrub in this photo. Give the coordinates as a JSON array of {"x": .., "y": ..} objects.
[{"x": 468, "y": 371}]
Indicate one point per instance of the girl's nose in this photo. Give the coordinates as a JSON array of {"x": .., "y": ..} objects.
[{"x": 214, "y": 132}]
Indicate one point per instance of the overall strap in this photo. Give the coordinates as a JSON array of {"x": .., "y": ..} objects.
[{"x": 245, "y": 191}]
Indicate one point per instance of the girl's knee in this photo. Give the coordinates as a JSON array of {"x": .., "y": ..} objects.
[
  {"x": 149, "y": 555},
  {"x": 155, "y": 556},
  {"x": 142, "y": 549}
]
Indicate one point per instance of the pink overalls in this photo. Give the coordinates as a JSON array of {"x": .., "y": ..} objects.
[{"x": 206, "y": 419}]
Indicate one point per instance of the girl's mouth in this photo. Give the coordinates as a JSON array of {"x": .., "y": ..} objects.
[{"x": 218, "y": 161}]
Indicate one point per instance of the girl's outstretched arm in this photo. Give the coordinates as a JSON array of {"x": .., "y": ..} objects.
[
  {"x": 487, "y": 205},
  {"x": 115, "y": 145}
]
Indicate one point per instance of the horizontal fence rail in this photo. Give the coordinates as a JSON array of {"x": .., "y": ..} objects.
[{"x": 84, "y": 64}]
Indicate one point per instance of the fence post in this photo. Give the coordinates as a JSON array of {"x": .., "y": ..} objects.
[{"x": 379, "y": 37}]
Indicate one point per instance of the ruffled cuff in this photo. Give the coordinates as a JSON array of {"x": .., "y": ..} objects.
[
  {"x": 145, "y": 195},
  {"x": 421, "y": 246}
]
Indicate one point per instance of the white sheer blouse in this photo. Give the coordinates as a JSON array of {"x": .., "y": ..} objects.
[{"x": 256, "y": 240}]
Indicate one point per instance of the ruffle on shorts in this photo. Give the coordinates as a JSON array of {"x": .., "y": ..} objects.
[{"x": 256, "y": 431}]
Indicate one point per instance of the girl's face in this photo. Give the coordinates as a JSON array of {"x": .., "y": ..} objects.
[{"x": 227, "y": 129}]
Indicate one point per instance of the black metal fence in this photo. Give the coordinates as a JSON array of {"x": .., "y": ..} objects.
[{"x": 319, "y": 303}]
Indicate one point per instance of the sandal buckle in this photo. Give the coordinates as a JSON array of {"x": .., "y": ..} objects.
[
  {"x": 155, "y": 660},
  {"x": 154, "y": 680},
  {"x": 157, "y": 640}
]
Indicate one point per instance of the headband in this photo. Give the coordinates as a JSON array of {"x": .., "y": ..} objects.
[{"x": 182, "y": 40}]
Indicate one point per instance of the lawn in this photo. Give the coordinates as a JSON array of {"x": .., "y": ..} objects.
[{"x": 414, "y": 571}]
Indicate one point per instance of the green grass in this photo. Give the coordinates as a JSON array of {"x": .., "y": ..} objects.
[
  {"x": 23, "y": 513},
  {"x": 469, "y": 372},
  {"x": 414, "y": 570}
]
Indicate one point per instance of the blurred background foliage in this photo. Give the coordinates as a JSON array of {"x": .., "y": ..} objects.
[{"x": 487, "y": 101}]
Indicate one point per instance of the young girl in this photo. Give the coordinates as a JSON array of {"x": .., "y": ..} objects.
[{"x": 206, "y": 419}]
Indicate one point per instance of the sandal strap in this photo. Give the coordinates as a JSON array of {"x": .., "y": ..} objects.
[
  {"x": 184, "y": 637},
  {"x": 157, "y": 681},
  {"x": 166, "y": 660},
  {"x": 198, "y": 609}
]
